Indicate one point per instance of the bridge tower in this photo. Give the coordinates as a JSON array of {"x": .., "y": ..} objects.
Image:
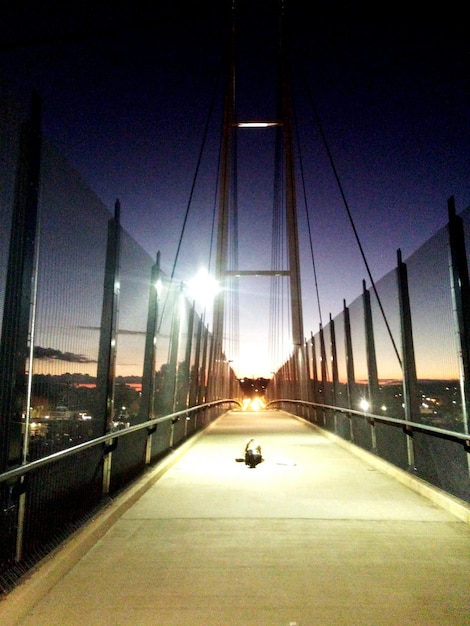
[{"x": 225, "y": 274}]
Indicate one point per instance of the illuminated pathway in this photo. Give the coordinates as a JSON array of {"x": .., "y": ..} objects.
[{"x": 313, "y": 535}]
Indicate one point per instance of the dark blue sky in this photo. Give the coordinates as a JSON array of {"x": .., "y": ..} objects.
[{"x": 127, "y": 93}]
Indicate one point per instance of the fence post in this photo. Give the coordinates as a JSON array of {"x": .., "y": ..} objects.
[
  {"x": 203, "y": 380},
  {"x": 147, "y": 401},
  {"x": 410, "y": 385},
  {"x": 19, "y": 291},
  {"x": 106, "y": 370},
  {"x": 186, "y": 373},
  {"x": 314, "y": 372},
  {"x": 350, "y": 375},
  {"x": 324, "y": 373},
  {"x": 196, "y": 377},
  {"x": 334, "y": 369},
  {"x": 16, "y": 343},
  {"x": 373, "y": 378},
  {"x": 461, "y": 295}
]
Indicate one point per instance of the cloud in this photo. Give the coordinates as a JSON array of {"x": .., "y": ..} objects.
[{"x": 51, "y": 353}]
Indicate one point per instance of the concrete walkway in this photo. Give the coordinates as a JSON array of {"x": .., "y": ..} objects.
[{"x": 313, "y": 536}]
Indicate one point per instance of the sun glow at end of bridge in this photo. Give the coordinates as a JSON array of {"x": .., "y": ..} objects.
[{"x": 253, "y": 404}]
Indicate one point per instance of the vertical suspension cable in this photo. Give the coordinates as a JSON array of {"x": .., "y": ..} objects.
[
  {"x": 276, "y": 318},
  {"x": 307, "y": 217},
  {"x": 233, "y": 340}
]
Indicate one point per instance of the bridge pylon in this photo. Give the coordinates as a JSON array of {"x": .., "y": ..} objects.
[{"x": 226, "y": 265}]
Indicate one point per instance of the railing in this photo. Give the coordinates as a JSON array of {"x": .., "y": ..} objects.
[
  {"x": 109, "y": 439},
  {"x": 56, "y": 494},
  {"x": 436, "y": 455}
]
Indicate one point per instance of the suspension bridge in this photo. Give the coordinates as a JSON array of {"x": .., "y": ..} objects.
[{"x": 124, "y": 415}]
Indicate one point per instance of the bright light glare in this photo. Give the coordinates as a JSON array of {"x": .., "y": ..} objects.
[
  {"x": 256, "y": 124},
  {"x": 253, "y": 404},
  {"x": 364, "y": 405},
  {"x": 203, "y": 287},
  {"x": 257, "y": 404}
]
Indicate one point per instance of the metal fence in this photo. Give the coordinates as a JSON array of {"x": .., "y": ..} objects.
[
  {"x": 96, "y": 340},
  {"x": 391, "y": 372}
]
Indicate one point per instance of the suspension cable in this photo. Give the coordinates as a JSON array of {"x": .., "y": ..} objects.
[
  {"x": 277, "y": 257},
  {"x": 304, "y": 192},
  {"x": 233, "y": 291},
  {"x": 340, "y": 187},
  {"x": 193, "y": 185}
]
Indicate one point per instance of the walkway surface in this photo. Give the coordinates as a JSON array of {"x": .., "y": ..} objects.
[{"x": 314, "y": 535}]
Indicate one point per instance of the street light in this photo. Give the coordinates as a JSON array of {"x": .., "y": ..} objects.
[{"x": 203, "y": 288}]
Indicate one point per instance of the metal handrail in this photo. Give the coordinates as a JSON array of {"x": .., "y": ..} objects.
[
  {"x": 465, "y": 437},
  {"x": 22, "y": 470}
]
